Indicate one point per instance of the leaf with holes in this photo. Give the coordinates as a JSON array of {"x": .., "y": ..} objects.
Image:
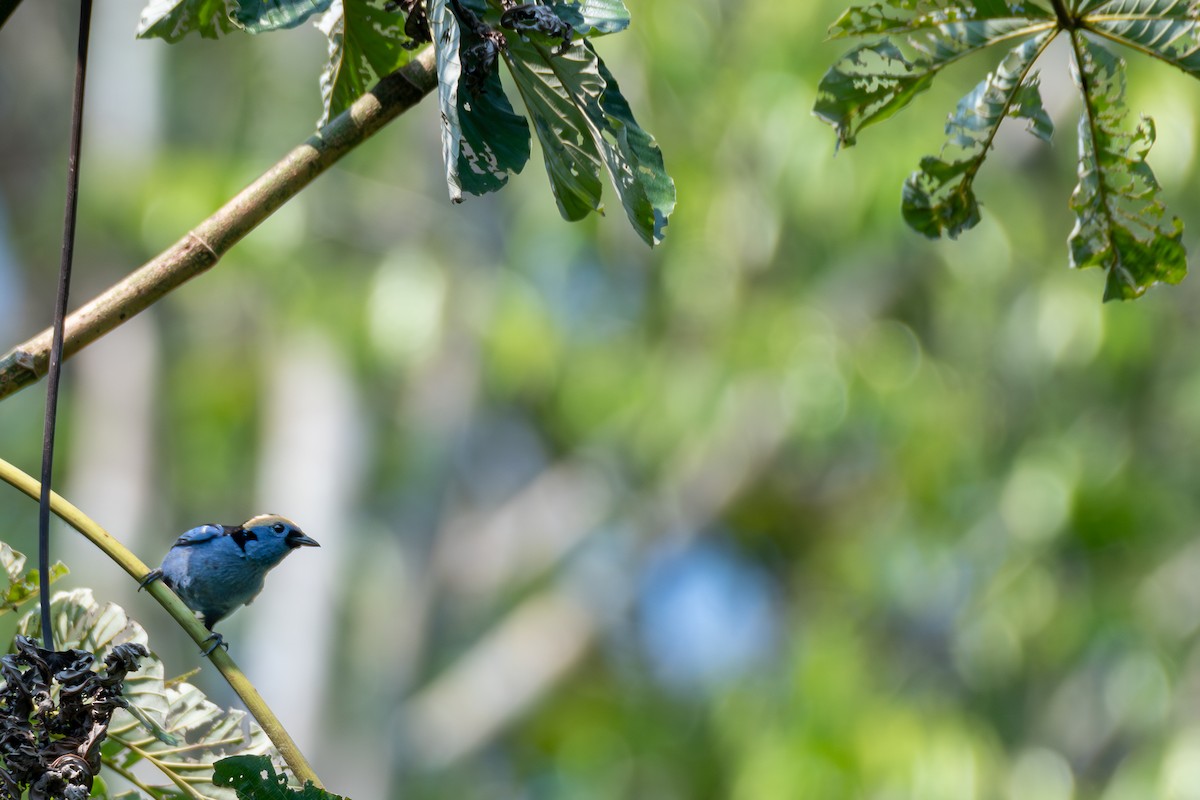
[
  {"x": 254, "y": 778},
  {"x": 939, "y": 199},
  {"x": 174, "y": 19},
  {"x": 1122, "y": 224},
  {"x": 483, "y": 140},
  {"x": 872, "y": 82},
  {"x": 205, "y": 734},
  {"x": 495, "y": 139},
  {"x": 1121, "y": 221},
  {"x": 366, "y": 42}
]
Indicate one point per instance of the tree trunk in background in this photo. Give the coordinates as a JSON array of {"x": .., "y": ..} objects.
[{"x": 309, "y": 466}]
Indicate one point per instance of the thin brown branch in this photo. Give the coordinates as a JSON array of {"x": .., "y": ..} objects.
[{"x": 203, "y": 246}]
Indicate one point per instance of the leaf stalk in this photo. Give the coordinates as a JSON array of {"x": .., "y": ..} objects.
[{"x": 1066, "y": 20}]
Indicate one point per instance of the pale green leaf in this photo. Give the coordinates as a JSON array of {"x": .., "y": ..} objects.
[
  {"x": 259, "y": 16},
  {"x": 1027, "y": 105},
  {"x": 913, "y": 15},
  {"x": 939, "y": 199},
  {"x": 13, "y": 563},
  {"x": 634, "y": 160},
  {"x": 443, "y": 26},
  {"x": 1165, "y": 29},
  {"x": 874, "y": 81},
  {"x": 594, "y": 17},
  {"x": 366, "y": 42},
  {"x": 174, "y": 19},
  {"x": 1121, "y": 221},
  {"x": 574, "y": 99},
  {"x": 572, "y": 160},
  {"x": 28, "y": 587},
  {"x": 205, "y": 734},
  {"x": 22, "y": 585}
]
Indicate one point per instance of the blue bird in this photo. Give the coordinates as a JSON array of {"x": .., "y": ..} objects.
[{"x": 216, "y": 568}]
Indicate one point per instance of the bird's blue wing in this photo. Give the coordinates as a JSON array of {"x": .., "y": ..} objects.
[{"x": 202, "y": 534}]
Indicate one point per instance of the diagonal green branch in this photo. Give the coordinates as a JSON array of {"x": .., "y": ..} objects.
[
  {"x": 187, "y": 620},
  {"x": 203, "y": 246}
]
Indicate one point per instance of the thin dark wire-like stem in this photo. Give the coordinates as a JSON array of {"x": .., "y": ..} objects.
[
  {"x": 60, "y": 314},
  {"x": 203, "y": 247},
  {"x": 7, "y": 7}
]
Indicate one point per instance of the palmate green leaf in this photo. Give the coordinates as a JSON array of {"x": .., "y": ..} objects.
[
  {"x": 191, "y": 732},
  {"x": 896, "y": 15},
  {"x": 174, "y": 19},
  {"x": 205, "y": 734},
  {"x": 1165, "y": 29},
  {"x": 584, "y": 123},
  {"x": 874, "y": 81},
  {"x": 254, "y": 778},
  {"x": 259, "y": 16},
  {"x": 939, "y": 198},
  {"x": 366, "y": 42},
  {"x": 1121, "y": 221}
]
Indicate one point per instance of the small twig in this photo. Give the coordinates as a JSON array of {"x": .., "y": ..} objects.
[
  {"x": 202, "y": 247},
  {"x": 172, "y": 775},
  {"x": 128, "y": 775},
  {"x": 70, "y": 215}
]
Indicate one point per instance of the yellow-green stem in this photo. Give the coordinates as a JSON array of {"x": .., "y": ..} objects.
[{"x": 257, "y": 707}]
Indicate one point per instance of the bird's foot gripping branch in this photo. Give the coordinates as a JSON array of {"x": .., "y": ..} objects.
[
  {"x": 64, "y": 725},
  {"x": 215, "y": 569},
  {"x": 174, "y": 710},
  {"x": 168, "y": 725},
  {"x": 57, "y": 746}
]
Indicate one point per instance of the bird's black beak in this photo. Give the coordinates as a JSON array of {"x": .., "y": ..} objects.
[{"x": 296, "y": 538}]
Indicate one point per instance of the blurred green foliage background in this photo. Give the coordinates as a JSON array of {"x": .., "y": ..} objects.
[{"x": 798, "y": 505}]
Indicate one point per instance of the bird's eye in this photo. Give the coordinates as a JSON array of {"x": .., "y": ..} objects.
[{"x": 278, "y": 527}]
